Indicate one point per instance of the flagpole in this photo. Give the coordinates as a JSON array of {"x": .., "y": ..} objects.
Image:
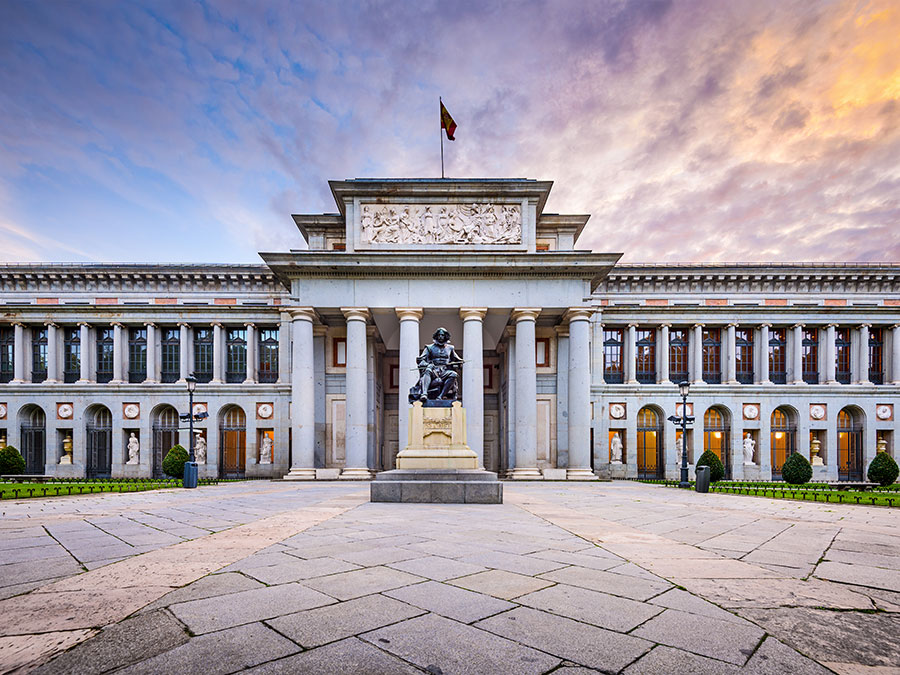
[{"x": 441, "y": 134}]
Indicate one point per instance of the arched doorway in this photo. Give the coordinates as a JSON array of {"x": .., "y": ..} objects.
[
  {"x": 99, "y": 442},
  {"x": 850, "y": 444},
  {"x": 233, "y": 442},
  {"x": 165, "y": 435},
  {"x": 783, "y": 434},
  {"x": 33, "y": 438},
  {"x": 717, "y": 436},
  {"x": 649, "y": 444}
]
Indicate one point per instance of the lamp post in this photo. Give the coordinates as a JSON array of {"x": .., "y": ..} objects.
[
  {"x": 683, "y": 389},
  {"x": 190, "y": 467}
]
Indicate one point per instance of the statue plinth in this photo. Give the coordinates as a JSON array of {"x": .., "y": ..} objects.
[{"x": 437, "y": 439}]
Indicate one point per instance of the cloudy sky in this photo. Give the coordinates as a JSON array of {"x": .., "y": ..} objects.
[{"x": 746, "y": 130}]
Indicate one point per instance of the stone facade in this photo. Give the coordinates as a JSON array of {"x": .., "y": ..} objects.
[{"x": 304, "y": 362}]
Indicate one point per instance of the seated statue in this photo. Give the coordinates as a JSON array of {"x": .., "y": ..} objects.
[{"x": 438, "y": 365}]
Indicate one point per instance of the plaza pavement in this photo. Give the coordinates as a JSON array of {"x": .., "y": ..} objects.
[{"x": 310, "y": 577}]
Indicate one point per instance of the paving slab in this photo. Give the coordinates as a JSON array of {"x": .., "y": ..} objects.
[
  {"x": 339, "y": 658},
  {"x": 298, "y": 569},
  {"x": 860, "y": 575},
  {"x": 667, "y": 661},
  {"x": 436, "y": 567},
  {"x": 501, "y": 584},
  {"x": 607, "y": 582},
  {"x": 26, "y": 651},
  {"x": 684, "y": 601},
  {"x": 598, "y": 609},
  {"x": 734, "y": 593},
  {"x": 450, "y": 601},
  {"x": 207, "y": 587},
  {"x": 355, "y": 584}
]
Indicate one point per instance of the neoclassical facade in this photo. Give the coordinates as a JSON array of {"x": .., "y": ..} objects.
[{"x": 571, "y": 359}]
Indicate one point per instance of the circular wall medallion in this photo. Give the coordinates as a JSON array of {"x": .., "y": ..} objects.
[
  {"x": 131, "y": 410},
  {"x": 817, "y": 412},
  {"x": 2, "y": 411},
  {"x": 882, "y": 412},
  {"x": 617, "y": 411},
  {"x": 264, "y": 410},
  {"x": 199, "y": 408},
  {"x": 64, "y": 410},
  {"x": 751, "y": 412}
]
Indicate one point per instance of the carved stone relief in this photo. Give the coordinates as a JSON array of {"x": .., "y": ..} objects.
[{"x": 442, "y": 224}]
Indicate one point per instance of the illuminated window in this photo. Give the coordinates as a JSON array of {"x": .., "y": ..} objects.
[
  {"x": 712, "y": 355},
  {"x": 613, "y": 372},
  {"x": 876, "y": 349},
  {"x": 743, "y": 355},
  {"x": 842, "y": 355},
  {"x": 777, "y": 356},
  {"x": 811, "y": 355},
  {"x": 678, "y": 354},
  {"x": 645, "y": 347}
]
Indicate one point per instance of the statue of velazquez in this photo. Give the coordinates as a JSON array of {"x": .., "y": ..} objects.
[{"x": 438, "y": 371}]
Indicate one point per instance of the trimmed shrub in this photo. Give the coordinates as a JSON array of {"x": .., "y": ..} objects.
[
  {"x": 11, "y": 462},
  {"x": 796, "y": 470},
  {"x": 716, "y": 468},
  {"x": 883, "y": 469},
  {"x": 173, "y": 464}
]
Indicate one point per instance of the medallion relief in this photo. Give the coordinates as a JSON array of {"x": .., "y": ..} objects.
[{"x": 441, "y": 224}]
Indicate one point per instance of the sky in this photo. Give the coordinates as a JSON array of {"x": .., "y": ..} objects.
[{"x": 691, "y": 131}]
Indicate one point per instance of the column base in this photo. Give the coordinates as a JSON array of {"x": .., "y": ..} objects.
[
  {"x": 731, "y": 382},
  {"x": 117, "y": 382},
  {"x": 356, "y": 474},
  {"x": 301, "y": 474},
  {"x": 525, "y": 473},
  {"x": 52, "y": 381},
  {"x": 23, "y": 382},
  {"x": 580, "y": 474}
]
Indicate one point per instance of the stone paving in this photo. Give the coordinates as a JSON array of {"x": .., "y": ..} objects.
[{"x": 569, "y": 578}]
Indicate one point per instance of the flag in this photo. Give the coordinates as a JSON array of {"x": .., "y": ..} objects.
[{"x": 447, "y": 123}]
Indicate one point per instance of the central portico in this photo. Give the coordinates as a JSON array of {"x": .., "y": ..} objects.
[{"x": 403, "y": 257}]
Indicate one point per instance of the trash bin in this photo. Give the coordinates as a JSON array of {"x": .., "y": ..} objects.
[
  {"x": 190, "y": 475},
  {"x": 702, "y": 484}
]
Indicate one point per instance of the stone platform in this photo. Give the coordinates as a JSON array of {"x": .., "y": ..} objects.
[{"x": 437, "y": 486}]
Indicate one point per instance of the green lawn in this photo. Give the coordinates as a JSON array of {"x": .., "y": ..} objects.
[{"x": 60, "y": 488}]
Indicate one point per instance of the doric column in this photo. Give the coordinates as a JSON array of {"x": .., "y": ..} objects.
[
  {"x": 218, "y": 373},
  {"x": 409, "y": 350},
  {"x": 895, "y": 354},
  {"x": 303, "y": 420},
  {"x": 183, "y": 347},
  {"x": 630, "y": 364},
  {"x": 18, "y": 352},
  {"x": 118, "y": 354},
  {"x": 830, "y": 356},
  {"x": 697, "y": 356},
  {"x": 596, "y": 348},
  {"x": 152, "y": 367},
  {"x": 662, "y": 354},
  {"x": 526, "y": 394},
  {"x": 731, "y": 354},
  {"x": 797, "y": 353},
  {"x": 84, "y": 338},
  {"x": 511, "y": 401},
  {"x": 473, "y": 378},
  {"x": 764, "y": 353},
  {"x": 251, "y": 353},
  {"x": 579, "y": 396},
  {"x": 52, "y": 352},
  {"x": 357, "y": 395},
  {"x": 863, "y": 360}
]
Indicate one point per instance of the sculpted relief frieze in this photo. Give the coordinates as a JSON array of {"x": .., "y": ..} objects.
[{"x": 441, "y": 224}]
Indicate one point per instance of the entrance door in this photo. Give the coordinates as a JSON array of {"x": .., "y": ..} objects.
[
  {"x": 165, "y": 437},
  {"x": 649, "y": 444},
  {"x": 781, "y": 440},
  {"x": 717, "y": 437},
  {"x": 99, "y": 444},
  {"x": 233, "y": 435},
  {"x": 34, "y": 441},
  {"x": 850, "y": 452}
]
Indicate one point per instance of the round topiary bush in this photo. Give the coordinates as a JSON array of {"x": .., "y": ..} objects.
[
  {"x": 716, "y": 468},
  {"x": 173, "y": 464},
  {"x": 796, "y": 469},
  {"x": 11, "y": 462},
  {"x": 883, "y": 469}
]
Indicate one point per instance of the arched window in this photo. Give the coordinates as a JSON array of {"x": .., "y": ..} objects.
[
  {"x": 233, "y": 439},
  {"x": 98, "y": 432},
  {"x": 717, "y": 437},
  {"x": 649, "y": 444},
  {"x": 33, "y": 434},
  {"x": 782, "y": 439},
  {"x": 165, "y": 435},
  {"x": 850, "y": 445}
]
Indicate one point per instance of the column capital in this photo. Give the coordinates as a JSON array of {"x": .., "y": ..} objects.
[
  {"x": 319, "y": 330},
  {"x": 633, "y": 324},
  {"x": 355, "y": 313},
  {"x": 665, "y": 325},
  {"x": 183, "y": 324},
  {"x": 799, "y": 325},
  {"x": 472, "y": 313},
  {"x": 865, "y": 325},
  {"x": 732, "y": 324},
  {"x": 766, "y": 325},
  {"x": 896, "y": 326},
  {"x": 249, "y": 324},
  {"x": 217, "y": 324},
  {"x": 699, "y": 325},
  {"x": 578, "y": 314},
  {"x": 51, "y": 324},
  {"x": 409, "y": 313},
  {"x": 302, "y": 314},
  {"x": 832, "y": 325},
  {"x": 117, "y": 324},
  {"x": 19, "y": 324},
  {"x": 148, "y": 324},
  {"x": 525, "y": 313}
]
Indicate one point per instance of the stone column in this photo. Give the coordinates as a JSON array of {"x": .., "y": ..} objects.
[
  {"x": 596, "y": 348},
  {"x": 118, "y": 353},
  {"x": 895, "y": 354},
  {"x": 473, "y": 378},
  {"x": 864, "y": 354},
  {"x": 52, "y": 352},
  {"x": 630, "y": 358},
  {"x": 218, "y": 374},
  {"x": 579, "y": 396},
  {"x": 18, "y": 353},
  {"x": 764, "y": 354},
  {"x": 152, "y": 368},
  {"x": 251, "y": 353},
  {"x": 183, "y": 347},
  {"x": 526, "y": 395},
  {"x": 85, "y": 340},
  {"x": 357, "y": 395},
  {"x": 797, "y": 353},
  {"x": 409, "y": 350},
  {"x": 662, "y": 354},
  {"x": 302, "y": 396},
  {"x": 731, "y": 354},
  {"x": 284, "y": 349},
  {"x": 511, "y": 401},
  {"x": 830, "y": 356},
  {"x": 697, "y": 356}
]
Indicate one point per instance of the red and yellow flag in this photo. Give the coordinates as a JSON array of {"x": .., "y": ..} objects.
[{"x": 447, "y": 123}]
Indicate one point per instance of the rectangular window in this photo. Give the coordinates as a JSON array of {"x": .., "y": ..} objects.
[
  {"x": 777, "y": 355},
  {"x": 7, "y": 353},
  {"x": 842, "y": 355},
  {"x": 203, "y": 354},
  {"x": 236, "y": 359},
  {"x": 105, "y": 346},
  {"x": 678, "y": 355},
  {"x": 743, "y": 354},
  {"x": 38, "y": 354},
  {"x": 645, "y": 345},
  {"x": 72, "y": 355},
  {"x": 811, "y": 355},
  {"x": 137, "y": 355},
  {"x": 876, "y": 356},
  {"x": 712, "y": 355},
  {"x": 170, "y": 363},
  {"x": 339, "y": 352},
  {"x": 268, "y": 355},
  {"x": 613, "y": 372},
  {"x": 542, "y": 352}
]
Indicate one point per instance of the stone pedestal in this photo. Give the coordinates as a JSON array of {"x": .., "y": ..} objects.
[{"x": 437, "y": 439}]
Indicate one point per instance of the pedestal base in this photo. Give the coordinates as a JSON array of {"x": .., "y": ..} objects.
[
  {"x": 356, "y": 474},
  {"x": 437, "y": 439},
  {"x": 437, "y": 486},
  {"x": 583, "y": 473},
  {"x": 526, "y": 473},
  {"x": 301, "y": 474}
]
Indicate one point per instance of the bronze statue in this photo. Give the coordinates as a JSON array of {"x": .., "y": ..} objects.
[{"x": 438, "y": 365}]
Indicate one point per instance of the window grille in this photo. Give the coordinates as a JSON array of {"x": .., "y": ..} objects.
[
  {"x": 137, "y": 355},
  {"x": 170, "y": 363},
  {"x": 678, "y": 354},
  {"x": 645, "y": 346},
  {"x": 203, "y": 354},
  {"x": 842, "y": 355},
  {"x": 236, "y": 361},
  {"x": 743, "y": 353},
  {"x": 811, "y": 355},
  {"x": 777, "y": 355},
  {"x": 38, "y": 354},
  {"x": 876, "y": 356},
  {"x": 105, "y": 354},
  {"x": 613, "y": 372}
]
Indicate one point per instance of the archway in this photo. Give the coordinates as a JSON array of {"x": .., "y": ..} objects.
[
  {"x": 33, "y": 438},
  {"x": 650, "y": 463},
  {"x": 783, "y": 438},
  {"x": 98, "y": 433},
  {"x": 165, "y": 435},
  {"x": 717, "y": 435},
  {"x": 850, "y": 423},
  {"x": 232, "y": 442}
]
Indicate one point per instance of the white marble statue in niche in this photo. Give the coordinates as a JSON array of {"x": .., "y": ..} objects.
[
  {"x": 265, "y": 451},
  {"x": 679, "y": 449},
  {"x": 134, "y": 449},
  {"x": 615, "y": 449},
  {"x": 749, "y": 447},
  {"x": 200, "y": 450},
  {"x": 441, "y": 224}
]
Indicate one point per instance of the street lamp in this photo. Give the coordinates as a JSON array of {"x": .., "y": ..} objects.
[
  {"x": 683, "y": 388},
  {"x": 190, "y": 467}
]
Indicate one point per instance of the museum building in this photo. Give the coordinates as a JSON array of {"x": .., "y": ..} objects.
[{"x": 304, "y": 363}]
